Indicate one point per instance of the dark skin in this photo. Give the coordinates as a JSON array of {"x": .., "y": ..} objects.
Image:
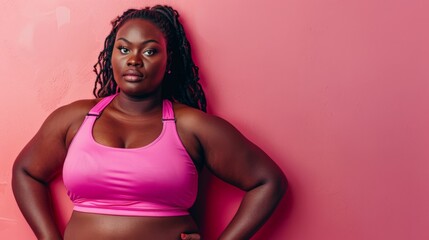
[{"x": 139, "y": 63}]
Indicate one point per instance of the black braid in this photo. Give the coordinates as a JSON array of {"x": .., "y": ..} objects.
[{"x": 180, "y": 84}]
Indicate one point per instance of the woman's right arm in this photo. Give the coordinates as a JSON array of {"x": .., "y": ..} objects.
[{"x": 35, "y": 167}]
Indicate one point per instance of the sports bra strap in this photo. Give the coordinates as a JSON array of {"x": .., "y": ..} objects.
[
  {"x": 167, "y": 111},
  {"x": 98, "y": 108}
]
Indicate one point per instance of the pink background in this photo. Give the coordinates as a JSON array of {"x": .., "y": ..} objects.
[{"x": 336, "y": 92}]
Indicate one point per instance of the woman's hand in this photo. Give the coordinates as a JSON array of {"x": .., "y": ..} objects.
[{"x": 190, "y": 236}]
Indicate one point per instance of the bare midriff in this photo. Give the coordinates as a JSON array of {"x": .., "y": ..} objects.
[{"x": 89, "y": 226}]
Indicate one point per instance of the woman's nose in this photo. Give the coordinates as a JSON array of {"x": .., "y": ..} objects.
[{"x": 135, "y": 60}]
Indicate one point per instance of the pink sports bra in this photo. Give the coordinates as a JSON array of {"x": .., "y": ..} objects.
[{"x": 159, "y": 179}]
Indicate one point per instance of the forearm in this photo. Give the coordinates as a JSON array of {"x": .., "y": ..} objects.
[
  {"x": 34, "y": 201},
  {"x": 255, "y": 209}
]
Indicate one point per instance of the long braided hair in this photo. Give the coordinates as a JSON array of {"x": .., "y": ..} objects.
[{"x": 180, "y": 84}]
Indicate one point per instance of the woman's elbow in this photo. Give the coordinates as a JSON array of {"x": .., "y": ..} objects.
[{"x": 278, "y": 183}]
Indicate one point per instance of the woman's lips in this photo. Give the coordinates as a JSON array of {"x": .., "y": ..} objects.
[{"x": 132, "y": 76}]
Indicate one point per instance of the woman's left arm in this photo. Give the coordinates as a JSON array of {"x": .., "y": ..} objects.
[{"x": 236, "y": 160}]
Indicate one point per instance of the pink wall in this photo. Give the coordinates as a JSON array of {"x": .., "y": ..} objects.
[{"x": 336, "y": 92}]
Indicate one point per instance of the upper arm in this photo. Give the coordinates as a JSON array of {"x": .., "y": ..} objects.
[
  {"x": 233, "y": 158},
  {"x": 43, "y": 156}
]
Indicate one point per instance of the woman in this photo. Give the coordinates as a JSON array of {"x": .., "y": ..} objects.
[{"x": 130, "y": 158}]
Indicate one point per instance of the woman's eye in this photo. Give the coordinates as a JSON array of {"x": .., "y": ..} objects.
[
  {"x": 149, "y": 52},
  {"x": 123, "y": 50}
]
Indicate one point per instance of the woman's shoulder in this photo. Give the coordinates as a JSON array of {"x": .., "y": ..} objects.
[
  {"x": 76, "y": 108},
  {"x": 58, "y": 124},
  {"x": 189, "y": 114},
  {"x": 72, "y": 112},
  {"x": 198, "y": 120}
]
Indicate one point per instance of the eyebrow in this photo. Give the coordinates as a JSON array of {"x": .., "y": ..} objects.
[{"x": 145, "y": 42}]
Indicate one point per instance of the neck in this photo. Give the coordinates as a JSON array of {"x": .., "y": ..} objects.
[{"x": 131, "y": 105}]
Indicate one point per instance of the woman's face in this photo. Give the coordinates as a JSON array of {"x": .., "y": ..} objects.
[{"x": 139, "y": 58}]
